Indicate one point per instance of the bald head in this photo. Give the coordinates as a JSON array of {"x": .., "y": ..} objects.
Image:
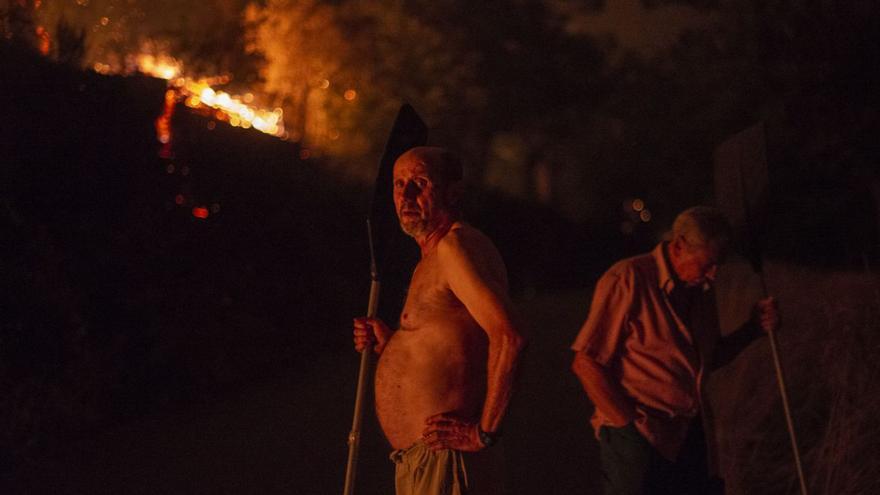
[{"x": 445, "y": 167}]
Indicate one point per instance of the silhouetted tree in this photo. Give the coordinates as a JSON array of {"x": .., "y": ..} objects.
[{"x": 71, "y": 47}]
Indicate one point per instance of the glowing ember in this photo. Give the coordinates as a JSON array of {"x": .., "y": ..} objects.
[
  {"x": 44, "y": 37},
  {"x": 200, "y": 212},
  {"x": 163, "y": 123}
]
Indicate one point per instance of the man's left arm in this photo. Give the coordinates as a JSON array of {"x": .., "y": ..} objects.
[
  {"x": 765, "y": 318},
  {"x": 475, "y": 274}
]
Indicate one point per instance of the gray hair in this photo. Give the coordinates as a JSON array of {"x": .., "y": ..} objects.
[{"x": 702, "y": 226}]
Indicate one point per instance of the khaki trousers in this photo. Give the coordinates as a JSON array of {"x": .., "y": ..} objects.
[{"x": 420, "y": 471}]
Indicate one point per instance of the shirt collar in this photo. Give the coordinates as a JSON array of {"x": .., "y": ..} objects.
[{"x": 665, "y": 277}]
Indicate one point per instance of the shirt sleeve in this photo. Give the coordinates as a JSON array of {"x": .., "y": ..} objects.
[{"x": 605, "y": 327}]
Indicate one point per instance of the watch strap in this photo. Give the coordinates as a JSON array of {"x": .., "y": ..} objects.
[{"x": 486, "y": 438}]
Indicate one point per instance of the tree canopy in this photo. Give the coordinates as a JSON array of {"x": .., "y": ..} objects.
[{"x": 556, "y": 100}]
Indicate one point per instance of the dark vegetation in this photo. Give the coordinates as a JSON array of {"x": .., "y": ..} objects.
[{"x": 118, "y": 302}]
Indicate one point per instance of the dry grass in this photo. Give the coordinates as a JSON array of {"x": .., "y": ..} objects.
[
  {"x": 845, "y": 459},
  {"x": 830, "y": 347}
]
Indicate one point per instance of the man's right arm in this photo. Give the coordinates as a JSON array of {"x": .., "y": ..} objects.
[
  {"x": 599, "y": 341},
  {"x": 602, "y": 390}
]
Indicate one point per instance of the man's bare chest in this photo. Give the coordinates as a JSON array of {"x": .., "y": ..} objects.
[{"x": 429, "y": 300}]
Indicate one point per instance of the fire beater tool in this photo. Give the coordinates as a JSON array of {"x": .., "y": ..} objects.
[
  {"x": 745, "y": 155},
  {"x": 407, "y": 132}
]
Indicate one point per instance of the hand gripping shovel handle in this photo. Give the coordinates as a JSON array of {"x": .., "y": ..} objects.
[
  {"x": 742, "y": 183},
  {"x": 783, "y": 392},
  {"x": 354, "y": 437},
  {"x": 756, "y": 260}
]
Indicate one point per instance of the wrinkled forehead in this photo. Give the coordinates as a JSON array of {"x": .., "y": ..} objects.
[{"x": 416, "y": 162}]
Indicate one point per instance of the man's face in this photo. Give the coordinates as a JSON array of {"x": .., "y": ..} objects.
[
  {"x": 696, "y": 265},
  {"x": 418, "y": 195}
]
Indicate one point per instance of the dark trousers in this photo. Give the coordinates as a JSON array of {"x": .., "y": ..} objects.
[{"x": 632, "y": 466}]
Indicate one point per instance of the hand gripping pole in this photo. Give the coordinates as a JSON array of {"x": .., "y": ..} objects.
[{"x": 354, "y": 437}]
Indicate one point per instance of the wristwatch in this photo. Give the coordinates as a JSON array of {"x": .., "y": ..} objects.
[{"x": 486, "y": 438}]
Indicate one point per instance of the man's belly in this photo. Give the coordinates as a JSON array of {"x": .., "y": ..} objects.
[{"x": 420, "y": 375}]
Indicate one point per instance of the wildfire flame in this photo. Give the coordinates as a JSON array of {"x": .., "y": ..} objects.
[
  {"x": 199, "y": 93},
  {"x": 162, "y": 67},
  {"x": 239, "y": 113}
]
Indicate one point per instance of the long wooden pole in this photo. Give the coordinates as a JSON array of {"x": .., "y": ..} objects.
[
  {"x": 354, "y": 437},
  {"x": 783, "y": 392}
]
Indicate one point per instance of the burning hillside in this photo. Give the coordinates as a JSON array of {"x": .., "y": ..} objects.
[{"x": 200, "y": 93}]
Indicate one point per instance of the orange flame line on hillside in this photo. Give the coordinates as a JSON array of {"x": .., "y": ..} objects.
[{"x": 199, "y": 93}]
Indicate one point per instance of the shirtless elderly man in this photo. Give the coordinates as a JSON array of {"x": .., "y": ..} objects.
[{"x": 445, "y": 376}]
